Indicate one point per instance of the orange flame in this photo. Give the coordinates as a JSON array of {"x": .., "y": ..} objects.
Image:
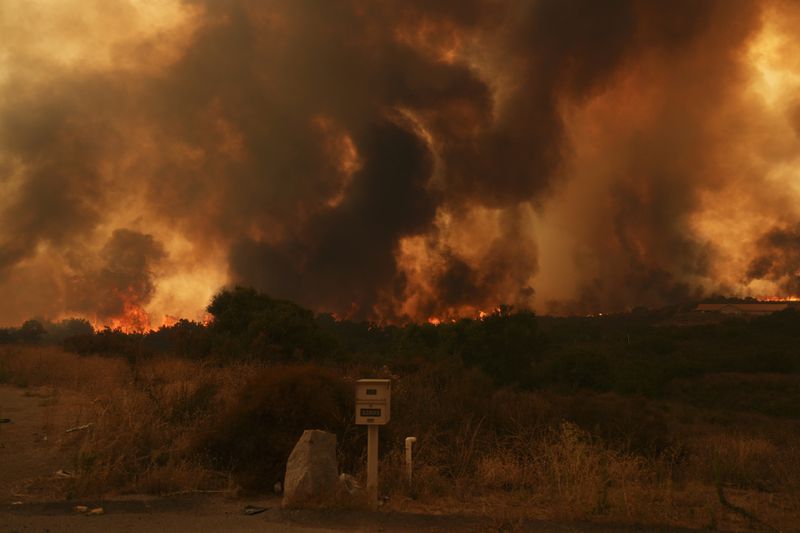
[
  {"x": 133, "y": 319},
  {"x": 169, "y": 320}
]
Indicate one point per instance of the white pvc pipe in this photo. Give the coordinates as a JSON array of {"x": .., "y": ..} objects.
[
  {"x": 372, "y": 465},
  {"x": 409, "y": 464}
]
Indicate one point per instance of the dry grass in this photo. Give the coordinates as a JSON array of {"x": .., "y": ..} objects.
[
  {"x": 536, "y": 469},
  {"x": 567, "y": 474},
  {"x": 575, "y": 476},
  {"x": 26, "y": 366},
  {"x": 498, "y": 454},
  {"x": 143, "y": 418}
]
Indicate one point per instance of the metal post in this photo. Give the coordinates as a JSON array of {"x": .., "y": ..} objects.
[{"x": 372, "y": 465}]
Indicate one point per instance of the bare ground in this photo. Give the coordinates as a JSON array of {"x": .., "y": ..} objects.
[
  {"x": 35, "y": 444},
  {"x": 218, "y": 514}
]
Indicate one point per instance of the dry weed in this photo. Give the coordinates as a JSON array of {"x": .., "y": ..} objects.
[
  {"x": 149, "y": 416},
  {"x": 737, "y": 460},
  {"x": 26, "y": 366}
]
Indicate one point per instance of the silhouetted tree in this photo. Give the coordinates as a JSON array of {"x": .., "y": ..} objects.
[
  {"x": 249, "y": 323},
  {"x": 31, "y": 331},
  {"x": 69, "y": 327},
  {"x": 503, "y": 344}
]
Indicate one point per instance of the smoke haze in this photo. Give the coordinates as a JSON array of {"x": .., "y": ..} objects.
[{"x": 395, "y": 160}]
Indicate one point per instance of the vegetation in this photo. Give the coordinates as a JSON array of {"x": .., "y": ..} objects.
[
  {"x": 627, "y": 418},
  {"x": 38, "y": 331},
  {"x": 635, "y": 353}
]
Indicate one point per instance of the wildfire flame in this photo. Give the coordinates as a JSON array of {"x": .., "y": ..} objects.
[
  {"x": 133, "y": 319},
  {"x": 452, "y": 318},
  {"x": 169, "y": 321}
]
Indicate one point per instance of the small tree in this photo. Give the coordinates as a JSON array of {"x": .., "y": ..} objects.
[
  {"x": 503, "y": 344},
  {"x": 253, "y": 324},
  {"x": 31, "y": 331}
]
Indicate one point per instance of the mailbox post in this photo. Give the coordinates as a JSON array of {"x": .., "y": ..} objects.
[{"x": 373, "y": 402}]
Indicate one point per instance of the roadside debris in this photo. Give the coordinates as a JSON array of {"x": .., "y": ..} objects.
[
  {"x": 80, "y": 428},
  {"x": 5, "y": 420},
  {"x": 350, "y": 484},
  {"x": 252, "y": 509},
  {"x": 65, "y": 474},
  {"x": 83, "y": 509}
]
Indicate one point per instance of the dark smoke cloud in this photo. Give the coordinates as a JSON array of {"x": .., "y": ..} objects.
[
  {"x": 779, "y": 259},
  {"x": 345, "y": 254},
  {"x": 559, "y": 52},
  {"x": 125, "y": 276},
  {"x": 240, "y": 144},
  {"x": 641, "y": 244},
  {"x": 60, "y": 196},
  {"x": 505, "y": 269}
]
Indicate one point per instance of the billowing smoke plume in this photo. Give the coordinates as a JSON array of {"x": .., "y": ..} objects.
[
  {"x": 121, "y": 284},
  {"x": 390, "y": 160},
  {"x": 779, "y": 260}
]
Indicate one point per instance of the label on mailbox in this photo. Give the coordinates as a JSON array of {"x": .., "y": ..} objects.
[{"x": 373, "y": 401}]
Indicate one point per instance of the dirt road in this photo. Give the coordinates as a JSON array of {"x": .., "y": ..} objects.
[
  {"x": 117, "y": 517},
  {"x": 215, "y": 514},
  {"x": 35, "y": 444},
  {"x": 197, "y": 514}
]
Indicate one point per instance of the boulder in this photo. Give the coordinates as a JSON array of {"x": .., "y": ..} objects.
[{"x": 312, "y": 472}]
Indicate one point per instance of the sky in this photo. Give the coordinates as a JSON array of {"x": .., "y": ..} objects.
[{"x": 395, "y": 160}]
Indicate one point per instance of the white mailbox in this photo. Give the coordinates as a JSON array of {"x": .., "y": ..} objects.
[{"x": 373, "y": 401}]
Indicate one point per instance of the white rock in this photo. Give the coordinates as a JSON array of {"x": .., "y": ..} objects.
[{"x": 312, "y": 471}]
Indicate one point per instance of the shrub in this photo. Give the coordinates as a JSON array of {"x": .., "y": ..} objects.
[
  {"x": 628, "y": 423},
  {"x": 504, "y": 344},
  {"x": 580, "y": 472},
  {"x": 254, "y": 435},
  {"x": 48, "y": 366},
  {"x": 251, "y": 324}
]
